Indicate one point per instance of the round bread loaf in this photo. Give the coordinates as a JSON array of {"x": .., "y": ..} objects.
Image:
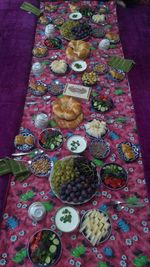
[{"x": 78, "y": 50}]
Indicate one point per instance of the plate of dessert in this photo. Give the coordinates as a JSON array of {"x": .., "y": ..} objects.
[
  {"x": 100, "y": 19},
  {"x": 41, "y": 165},
  {"x": 112, "y": 37},
  {"x": 40, "y": 51},
  {"x": 58, "y": 21},
  {"x": 128, "y": 152},
  {"x": 102, "y": 103},
  {"x": 76, "y": 144},
  {"x": 98, "y": 33},
  {"x": 44, "y": 248},
  {"x": 74, "y": 30},
  {"x": 56, "y": 87},
  {"x": 38, "y": 88},
  {"x": 43, "y": 20},
  {"x": 116, "y": 75},
  {"x": 99, "y": 148},
  {"x": 59, "y": 67},
  {"x": 100, "y": 68},
  {"x": 25, "y": 140},
  {"x": 95, "y": 226},
  {"x": 51, "y": 139},
  {"x": 89, "y": 78},
  {"x": 114, "y": 176},
  {"x": 74, "y": 179},
  {"x": 53, "y": 43},
  {"x": 96, "y": 128}
]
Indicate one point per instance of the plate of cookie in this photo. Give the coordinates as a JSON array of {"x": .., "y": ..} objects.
[
  {"x": 25, "y": 140},
  {"x": 38, "y": 88},
  {"x": 128, "y": 152}
]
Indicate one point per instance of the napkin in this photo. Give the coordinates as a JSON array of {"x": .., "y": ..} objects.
[
  {"x": 121, "y": 63},
  {"x": 30, "y": 8},
  {"x": 18, "y": 169}
]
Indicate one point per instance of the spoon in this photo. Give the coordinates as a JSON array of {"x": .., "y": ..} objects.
[{"x": 36, "y": 152}]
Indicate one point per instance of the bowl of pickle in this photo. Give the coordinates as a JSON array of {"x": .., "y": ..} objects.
[{"x": 89, "y": 78}]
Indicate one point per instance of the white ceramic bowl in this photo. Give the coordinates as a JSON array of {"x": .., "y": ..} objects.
[
  {"x": 76, "y": 144},
  {"x": 75, "y": 16},
  {"x": 79, "y": 65},
  {"x": 63, "y": 223}
]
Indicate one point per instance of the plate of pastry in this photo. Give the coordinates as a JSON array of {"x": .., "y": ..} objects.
[
  {"x": 41, "y": 165},
  {"x": 102, "y": 103},
  {"x": 40, "y": 51},
  {"x": 112, "y": 37},
  {"x": 38, "y": 88},
  {"x": 100, "y": 68},
  {"x": 58, "y": 21},
  {"x": 56, "y": 87},
  {"x": 96, "y": 128},
  {"x": 25, "y": 140},
  {"x": 89, "y": 78},
  {"x": 53, "y": 43},
  {"x": 74, "y": 179},
  {"x": 59, "y": 67},
  {"x": 116, "y": 75},
  {"x": 95, "y": 226},
  {"x": 113, "y": 176},
  {"x": 43, "y": 20},
  {"x": 99, "y": 148},
  {"x": 128, "y": 152}
]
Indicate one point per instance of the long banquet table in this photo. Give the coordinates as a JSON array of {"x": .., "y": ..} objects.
[{"x": 128, "y": 244}]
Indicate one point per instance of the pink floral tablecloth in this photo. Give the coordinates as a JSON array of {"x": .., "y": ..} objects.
[{"x": 129, "y": 243}]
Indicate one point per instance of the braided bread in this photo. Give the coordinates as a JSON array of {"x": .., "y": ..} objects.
[{"x": 77, "y": 50}]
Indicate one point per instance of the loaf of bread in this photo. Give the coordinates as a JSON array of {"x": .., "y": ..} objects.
[
  {"x": 69, "y": 124},
  {"x": 77, "y": 50}
]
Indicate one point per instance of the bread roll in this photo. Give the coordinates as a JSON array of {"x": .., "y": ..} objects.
[
  {"x": 69, "y": 124},
  {"x": 77, "y": 50}
]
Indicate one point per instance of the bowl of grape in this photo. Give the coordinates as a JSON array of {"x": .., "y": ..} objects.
[{"x": 74, "y": 179}]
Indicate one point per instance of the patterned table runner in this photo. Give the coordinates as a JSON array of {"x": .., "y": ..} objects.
[{"x": 128, "y": 244}]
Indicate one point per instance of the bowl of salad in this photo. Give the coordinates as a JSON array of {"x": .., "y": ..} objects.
[
  {"x": 44, "y": 248},
  {"x": 51, "y": 139}
]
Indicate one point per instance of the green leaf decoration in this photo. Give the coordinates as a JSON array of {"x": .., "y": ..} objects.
[
  {"x": 98, "y": 162},
  {"x": 46, "y": 62},
  {"x": 79, "y": 251},
  {"x": 20, "y": 256},
  {"x": 52, "y": 124},
  {"x": 119, "y": 92},
  {"x": 94, "y": 94},
  {"x": 112, "y": 46},
  {"x": 60, "y": 96},
  {"x": 103, "y": 264},
  {"x": 48, "y": 206},
  {"x": 132, "y": 200},
  {"x": 27, "y": 196},
  {"x": 108, "y": 26},
  {"x": 121, "y": 119},
  {"x": 93, "y": 48},
  {"x": 140, "y": 261}
]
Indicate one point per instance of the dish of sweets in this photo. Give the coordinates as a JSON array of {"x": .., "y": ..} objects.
[
  {"x": 74, "y": 179},
  {"x": 25, "y": 140},
  {"x": 53, "y": 43},
  {"x": 44, "y": 248},
  {"x": 100, "y": 68},
  {"x": 38, "y": 88},
  {"x": 99, "y": 148},
  {"x": 58, "y": 21},
  {"x": 40, "y": 51},
  {"x": 41, "y": 166},
  {"x": 128, "y": 152},
  {"x": 102, "y": 103},
  {"x": 113, "y": 176},
  {"x": 89, "y": 78},
  {"x": 96, "y": 128},
  {"x": 74, "y": 30},
  {"x": 95, "y": 226},
  {"x": 51, "y": 139},
  {"x": 59, "y": 67},
  {"x": 56, "y": 87},
  {"x": 100, "y": 19}
]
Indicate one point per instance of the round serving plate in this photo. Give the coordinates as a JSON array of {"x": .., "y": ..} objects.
[
  {"x": 37, "y": 92},
  {"x": 57, "y": 46},
  {"x": 51, "y": 139},
  {"x": 91, "y": 136},
  {"x": 79, "y": 66},
  {"x": 53, "y": 243},
  {"x": 75, "y": 16},
  {"x": 99, "y": 148},
  {"x": 61, "y": 74},
  {"x": 40, "y": 162},
  {"x": 134, "y": 150},
  {"x": 56, "y": 87},
  {"x": 114, "y": 181},
  {"x": 100, "y": 23},
  {"x": 101, "y": 221},
  {"x": 25, "y": 147},
  {"x": 76, "y": 144},
  {"x": 74, "y": 188},
  {"x": 102, "y": 104}
]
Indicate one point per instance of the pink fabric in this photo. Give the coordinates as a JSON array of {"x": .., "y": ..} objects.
[{"x": 130, "y": 235}]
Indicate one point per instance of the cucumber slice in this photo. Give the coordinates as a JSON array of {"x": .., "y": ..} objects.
[
  {"x": 52, "y": 249},
  {"x": 47, "y": 260},
  {"x": 56, "y": 241},
  {"x": 52, "y": 237},
  {"x": 52, "y": 146}
]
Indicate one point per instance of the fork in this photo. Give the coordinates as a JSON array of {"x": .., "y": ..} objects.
[{"x": 118, "y": 205}]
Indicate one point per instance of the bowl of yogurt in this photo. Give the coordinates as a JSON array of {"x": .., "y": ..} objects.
[
  {"x": 76, "y": 144},
  {"x": 67, "y": 219}
]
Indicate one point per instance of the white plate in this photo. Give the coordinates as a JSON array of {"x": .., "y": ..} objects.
[
  {"x": 82, "y": 63},
  {"x": 67, "y": 226},
  {"x": 80, "y": 144},
  {"x": 75, "y": 16}
]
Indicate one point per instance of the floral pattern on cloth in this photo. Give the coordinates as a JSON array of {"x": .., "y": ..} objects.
[{"x": 129, "y": 243}]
